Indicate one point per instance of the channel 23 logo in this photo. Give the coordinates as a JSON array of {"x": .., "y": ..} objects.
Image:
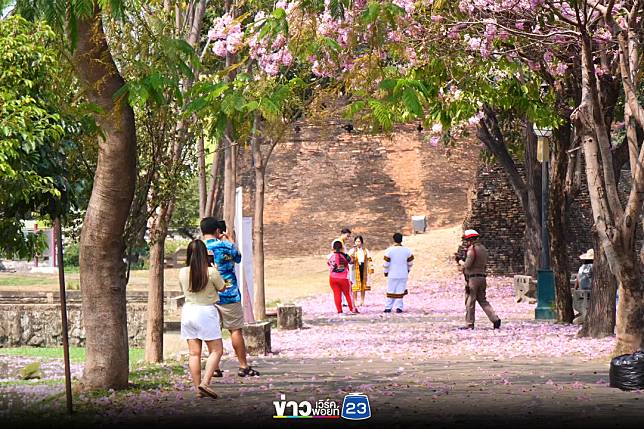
[{"x": 356, "y": 407}]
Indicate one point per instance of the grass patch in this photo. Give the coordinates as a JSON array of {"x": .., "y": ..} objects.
[
  {"x": 36, "y": 382},
  {"x": 155, "y": 376},
  {"x": 76, "y": 354},
  {"x": 27, "y": 280}
]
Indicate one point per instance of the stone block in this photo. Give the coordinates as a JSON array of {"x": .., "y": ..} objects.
[
  {"x": 525, "y": 287},
  {"x": 175, "y": 303},
  {"x": 257, "y": 337},
  {"x": 40, "y": 325},
  {"x": 30, "y": 371},
  {"x": 289, "y": 316},
  {"x": 580, "y": 298}
]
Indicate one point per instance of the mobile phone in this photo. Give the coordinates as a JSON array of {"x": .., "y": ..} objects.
[{"x": 211, "y": 259}]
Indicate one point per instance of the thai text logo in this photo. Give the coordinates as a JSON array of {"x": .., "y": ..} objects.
[{"x": 322, "y": 409}]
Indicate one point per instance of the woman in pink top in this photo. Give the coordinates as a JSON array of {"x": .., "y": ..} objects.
[{"x": 338, "y": 263}]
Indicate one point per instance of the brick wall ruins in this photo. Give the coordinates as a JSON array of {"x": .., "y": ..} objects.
[
  {"x": 326, "y": 178},
  {"x": 496, "y": 213}
]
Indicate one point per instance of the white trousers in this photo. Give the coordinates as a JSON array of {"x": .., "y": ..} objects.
[{"x": 395, "y": 291}]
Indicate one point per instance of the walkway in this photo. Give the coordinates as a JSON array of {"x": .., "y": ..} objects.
[{"x": 416, "y": 366}]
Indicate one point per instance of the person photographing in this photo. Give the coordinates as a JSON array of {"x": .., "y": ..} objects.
[
  {"x": 226, "y": 255},
  {"x": 475, "y": 277}
]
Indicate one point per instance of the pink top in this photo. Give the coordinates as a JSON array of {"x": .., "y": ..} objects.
[{"x": 338, "y": 265}]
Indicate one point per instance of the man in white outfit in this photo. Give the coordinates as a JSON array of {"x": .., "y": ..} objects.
[{"x": 398, "y": 263}]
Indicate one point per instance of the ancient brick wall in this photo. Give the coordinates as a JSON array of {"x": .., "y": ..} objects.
[
  {"x": 496, "y": 213},
  {"x": 324, "y": 178}
]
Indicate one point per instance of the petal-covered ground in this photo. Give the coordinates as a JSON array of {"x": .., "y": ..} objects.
[
  {"x": 428, "y": 329},
  {"x": 410, "y": 365}
]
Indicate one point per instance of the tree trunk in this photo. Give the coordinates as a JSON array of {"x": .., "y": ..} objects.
[
  {"x": 557, "y": 224},
  {"x": 532, "y": 248},
  {"x": 600, "y": 316},
  {"x": 214, "y": 201},
  {"x": 203, "y": 180},
  {"x": 490, "y": 134},
  {"x": 159, "y": 231},
  {"x": 156, "y": 280},
  {"x": 259, "y": 299},
  {"x": 230, "y": 181},
  {"x": 629, "y": 323},
  {"x": 532, "y": 205},
  {"x": 615, "y": 225},
  {"x": 102, "y": 248},
  {"x": 230, "y": 154}
]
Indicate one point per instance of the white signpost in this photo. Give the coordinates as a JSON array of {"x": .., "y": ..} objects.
[{"x": 244, "y": 271}]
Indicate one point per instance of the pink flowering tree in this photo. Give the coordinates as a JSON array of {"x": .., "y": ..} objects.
[
  {"x": 590, "y": 53},
  {"x": 255, "y": 100},
  {"x": 497, "y": 56}
]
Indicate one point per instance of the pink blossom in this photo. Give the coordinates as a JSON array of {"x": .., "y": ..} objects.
[
  {"x": 466, "y": 6},
  {"x": 485, "y": 51},
  {"x": 219, "y": 28},
  {"x": 287, "y": 58},
  {"x": 474, "y": 120},
  {"x": 234, "y": 42},
  {"x": 279, "y": 41},
  {"x": 560, "y": 69},
  {"x": 272, "y": 68},
  {"x": 490, "y": 30},
  {"x": 213, "y": 34},
  {"x": 474, "y": 43},
  {"x": 603, "y": 35},
  {"x": 433, "y": 141},
  {"x": 411, "y": 55},
  {"x": 260, "y": 16},
  {"x": 407, "y": 5},
  {"x": 394, "y": 36},
  {"x": 219, "y": 48},
  {"x": 437, "y": 18},
  {"x": 316, "y": 68}
]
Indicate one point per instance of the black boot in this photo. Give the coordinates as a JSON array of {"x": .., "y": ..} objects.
[{"x": 497, "y": 324}]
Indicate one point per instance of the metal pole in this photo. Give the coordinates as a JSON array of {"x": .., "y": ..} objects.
[
  {"x": 63, "y": 314},
  {"x": 545, "y": 241}
]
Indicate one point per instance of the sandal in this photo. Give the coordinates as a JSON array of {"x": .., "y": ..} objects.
[
  {"x": 250, "y": 372},
  {"x": 207, "y": 391},
  {"x": 218, "y": 373}
]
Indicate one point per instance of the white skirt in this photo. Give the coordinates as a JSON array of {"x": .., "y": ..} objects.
[{"x": 200, "y": 322}]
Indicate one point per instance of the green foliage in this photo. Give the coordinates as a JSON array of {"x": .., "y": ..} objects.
[
  {"x": 186, "y": 211},
  {"x": 172, "y": 246},
  {"x": 71, "y": 255},
  {"x": 36, "y": 133}
]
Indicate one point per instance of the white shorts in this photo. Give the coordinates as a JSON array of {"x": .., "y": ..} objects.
[{"x": 200, "y": 322}]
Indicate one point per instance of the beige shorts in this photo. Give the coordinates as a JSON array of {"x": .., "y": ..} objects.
[{"x": 232, "y": 315}]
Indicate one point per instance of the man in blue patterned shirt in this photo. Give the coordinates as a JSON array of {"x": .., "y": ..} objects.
[{"x": 226, "y": 255}]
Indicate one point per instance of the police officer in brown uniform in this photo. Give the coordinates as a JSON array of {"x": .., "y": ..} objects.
[{"x": 474, "y": 269}]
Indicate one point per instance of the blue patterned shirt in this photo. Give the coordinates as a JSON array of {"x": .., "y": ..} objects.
[{"x": 226, "y": 255}]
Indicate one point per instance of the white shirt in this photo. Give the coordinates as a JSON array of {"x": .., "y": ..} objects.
[
  {"x": 359, "y": 254},
  {"x": 398, "y": 262}
]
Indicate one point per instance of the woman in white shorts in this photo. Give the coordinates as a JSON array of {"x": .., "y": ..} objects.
[{"x": 199, "y": 318}]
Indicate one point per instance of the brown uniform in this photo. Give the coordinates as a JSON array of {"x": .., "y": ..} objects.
[{"x": 474, "y": 270}]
